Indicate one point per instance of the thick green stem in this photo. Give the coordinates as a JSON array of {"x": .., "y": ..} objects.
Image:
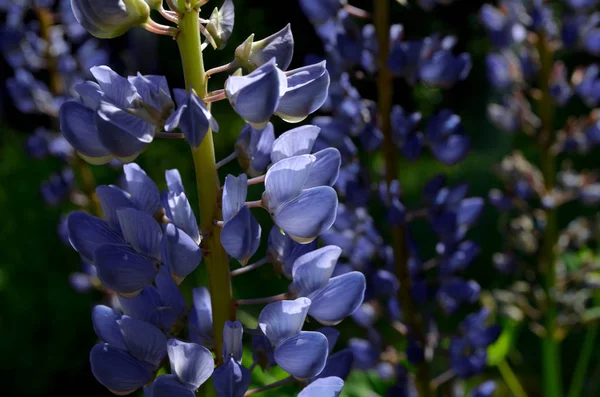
[
  {"x": 552, "y": 376},
  {"x": 208, "y": 185},
  {"x": 583, "y": 361},
  {"x": 385, "y": 86}
]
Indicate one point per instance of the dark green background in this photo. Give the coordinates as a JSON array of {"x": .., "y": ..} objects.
[{"x": 45, "y": 327}]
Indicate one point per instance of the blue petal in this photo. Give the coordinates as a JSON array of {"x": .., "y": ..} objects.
[
  {"x": 180, "y": 212},
  {"x": 90, "y": 94},
  {"x": 123, "y": 270},
  {"x": 309, "y": 214},
  {"x": 294, "y": 142},
  {"x": 174, "y": 182},
  {"x": 193, "y": 119},
  {"x": 241, "y": 235},
  {"x": 144, "y": 306},
  {"x": 77, "y": 126},
  {"x": 338, "y": 364},
  {"x": 253, "y": 148},
  {"x": 232, "y": 340},
  {"x": 118, "y": 370},
  {"x": 332, "y": 336},
  {"x": 169, "y": 386},
  {"x": 486, "y": 389},
  {"x": 279, "y": 45},
  {"x": 283, "y": 251},
  {"x": 286, "y": 178},
  {"x": 112, "y": 199},
  {"x": 180, "y": 252},
  {"x": 235, "y": 191},
  {"x": 283, "y": 319},
  {"x": 303, "y": 355},
  {"x": 231, "y": 379},
  {"x": 86, "y": 233},
  {"x": 200, "y": 327},
  {"x": 144, "y": 341},
  {"x": 193, "y": 364},
  {"x": 313, "y": 270},
  {"x": 144, "y": 192},
  {"x": 141, "y": 231},
  {"x": 106, "y": 327},
  {"x": 173, "y": 306},
  {"x": 326, "y": 168},
  {"x": 154, "y": 90},
  {"x": 453, "y": 150},
  {"x": 324, "y": 387},
  {"x": 123, "y": 134},
  {"x": 340, "y": 298},
  {"x": 469, "y": 210},
  {"x": 262, "y": 352},
  {"x": 307, "y": 91},
  {"x": 256, "y": 96},
  {"x": 115, "y": 87}
]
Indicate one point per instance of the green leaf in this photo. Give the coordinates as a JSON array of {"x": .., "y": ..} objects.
[{"x": 497, "y": 352}]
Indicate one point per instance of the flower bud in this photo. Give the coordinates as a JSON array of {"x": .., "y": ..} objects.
[
  {"x": 279, "y": 45},
  {"x": 107, "y": 19}
]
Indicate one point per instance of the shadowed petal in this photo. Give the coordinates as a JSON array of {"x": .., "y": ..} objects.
[
  {"x": 338, "y": 364},
  {"x": 118, "y": 370},
  {"x": 141, "y": 231},
  {"x": 309, "y": 214},
  {"x": 77, "y": 126},
  {"x": 241, "y": 235},
  {"x": 284, "y": 251},
  {"x": 313, "y": 270},
  {"x": 122, "y": 269},
  {"x": 340, "y": 298},
  {"x": 144, "y": 192},
  {"x": 179, "y": 251},
  {"x": 106, "y": 327},
  {"x": 193, "y": 364},
  {"x": 279, "y": 45},
  {"x": 201, "y": 317},
  {"x": 173, "y": 306},
  {"x": 232, "y": 340},
  {"x": 193, "y": 119},
  {"x": 181, "y": 214},
  {"x": 144, "y": 306},
  {"x": 452, "y": 150},
  {"x": 253, "y": 148},
  {"x": 169, "y": 386},
  {"x": 87, "y": 232},
  {"x": 112, "y": 199},
  {"x": 144, "y": 341},
  {"x": 295, "y": 142},
  {"x": 114, "y": 86},
  {"x": 303, "y": 355},
  {"x": 283, "y": 319},
  {"x": 235, "y": 191},
  {"x": 231, "y": 379}
]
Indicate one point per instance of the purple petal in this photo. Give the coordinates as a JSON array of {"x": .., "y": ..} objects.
[
  {"x": 77, "y": 126},
  {"x": 143, "y": 190},
  {"x": 340, "y": 298},
  {"x": 106, "y": 327},
  {"x": 179, "y": 251},
  {"x": 326, "y": 169},
  {"x": 118, "y": 370},
  {"x": 144, "y": 341},
  {"x": 235, "y": 191},
  {"x": 295, "y": 142},
  {"x": 193, "y": 364},
  {"x": 324, "y": 387},
  {"x": 169, "y": 386},
  {"x": 231, "y": 379},
  {"x": 303, "y": 355},
  {"x": 283, "y": 319},
  {"x": 285, "y": 179},
  {"x": 141, "y": 231},
  {"x": 313, "y": 270},
  {"x": 241, "y": 235},
  {"x": 86, "y": 233}
]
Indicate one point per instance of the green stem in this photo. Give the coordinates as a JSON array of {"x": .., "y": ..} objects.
[
  {"x": 208, "y": 185},
  {"x": 583, "y": 361},
  {"x": 385, "y": 86},
  {"x": 552, "y": 377},
  {"x": 511, "y": 379}
]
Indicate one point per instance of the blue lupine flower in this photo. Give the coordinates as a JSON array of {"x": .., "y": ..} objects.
[
  {"x": 312, "y": 278},
  {"x": 560, "y": 89},
  {"x": 302, "y": 354},
  {"x": 200, "y": 319},
  {"x": 102, "y": 124},
  {"x": 405, "y": 134},
  {"x": 177, "y": 206},
  {"x": 319, "y": 11},
  {"x": 29, "y": 94},
  {"x": 445, "y": 136},
  {"x": 231, "y": 379},
  {"x": 191, "y": 366},
  {"x": 324, "y": 387},
  {"x": 486, "y": 389},
  {"x": 253, "y": 148},
  {"x": 306, "y": 92},
  {"x": 255, "y": 97},
  {"x": 192, "y": 117},
  {"x": 588, "y": 85},
  {"x": 280, "y": 46},
  {"x": 302, "y": 213},
  {"x": 455, "y": 291},
  {"x": 241, "y": 231},
  {"x": 283, "y": 251},
  {"x": 110, "y": 18},
  {"x": 161, "y": 304},
  {"x": 444, "y": 69},
  {"x": 468, "y": 353},
  {"x": 131, "y": 351}
]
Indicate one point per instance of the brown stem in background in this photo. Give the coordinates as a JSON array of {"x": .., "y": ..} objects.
[{"x": 385, "y": 85}]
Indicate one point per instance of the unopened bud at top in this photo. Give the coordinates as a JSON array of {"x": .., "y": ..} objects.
[
  {"x": 279, "y": 45},
  {"x": 106, "y": 19}
]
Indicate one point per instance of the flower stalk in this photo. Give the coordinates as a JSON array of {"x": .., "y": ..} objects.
[
  {"x": 385, "y": 97},
  {"x": 207, "y": 181}
]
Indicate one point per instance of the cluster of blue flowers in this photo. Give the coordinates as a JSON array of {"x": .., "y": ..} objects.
[
  {"x": 147, "y": 242},
  {"x": 352, "y": 124}
]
